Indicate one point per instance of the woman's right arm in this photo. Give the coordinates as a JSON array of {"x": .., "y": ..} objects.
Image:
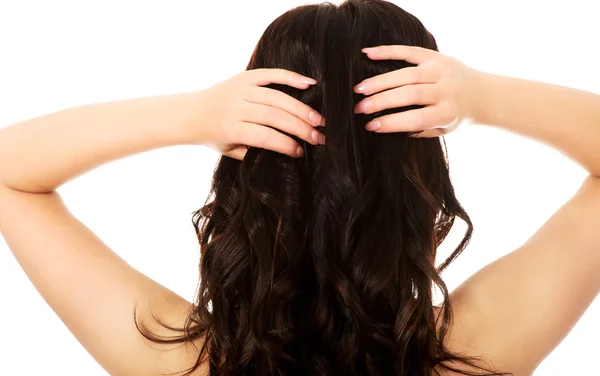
[
  {"x": 517, "y": 309},
  {"x": 564, "y": 118}
]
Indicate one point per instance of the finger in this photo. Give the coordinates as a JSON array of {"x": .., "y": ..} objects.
[
  {"x": 267, "y": 76},
  {"x": 270, "y": 139},
  {"x": 421, "y": 94},
  {"x": 440, "y": 130},
  {"x": 411, "y": 54},
  {"x": 411, "y": 121},
  {"x": 277, "y": 118},
  {"x": 238, "y": 153},
  {"x": 276, "y": 98},
  {"x": 428, "y": 133},
  {"x": 396, "y": 78}
]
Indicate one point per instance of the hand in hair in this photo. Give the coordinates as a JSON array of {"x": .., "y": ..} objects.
[
  {"x": 449, "y": 89},
  {"x": 242, "y": 113}
]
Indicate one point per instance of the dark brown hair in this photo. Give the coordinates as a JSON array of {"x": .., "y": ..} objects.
[{"x": 325, "y": 264}]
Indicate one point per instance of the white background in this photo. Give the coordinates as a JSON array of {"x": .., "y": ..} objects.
[{"x": 59, "y": 54}]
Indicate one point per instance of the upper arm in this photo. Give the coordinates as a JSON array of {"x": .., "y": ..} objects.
[
  {"x": 91, "y": 289},
  {"x": 517, "y": 309}
]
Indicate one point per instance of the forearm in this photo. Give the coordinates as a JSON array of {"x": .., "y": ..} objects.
[
  {"x": 40, "y": 154},
  {"x": 565, "y": 118}
]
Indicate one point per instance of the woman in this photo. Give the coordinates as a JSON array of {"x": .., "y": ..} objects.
[{"x": 318, "y": 244}]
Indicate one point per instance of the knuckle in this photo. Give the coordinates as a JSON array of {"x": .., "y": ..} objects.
[
  {"x": 236, "y": 109},
  {"x": 452, "y": 110},
  {"x": 434, "y": 64},
  {"x": 284, "y": 75},
  {"x": 250, "y": 75},
  {"x": 266, "y": 113},
  {"x": 262, "y": 95},
  {"x": 241, "y": 75},
  {"x": 227, "y": 129},
  {"x": 416, "y": 75},
  {"x": 436, "y": 95},
  {"x": 284, "y": 120},
  {"x": 267, "y": 96},
  {"x": 450, "y": 90},
  {"x": 287, "y": 121},
  {"x": 291, "y": 120},
  {"x": 420, "y": 120},
  {"x": 300, "y": 129},
  {"x": 414, "y": 94},
  {"x": 374, "y": 83},
  {"x": 247, "y": 93},
  {"x": 420, "y": 94},
  {"x": 261, "y": 136},
  {"x": 260, "y": 74},
  {"x": 443, "y": 116}
]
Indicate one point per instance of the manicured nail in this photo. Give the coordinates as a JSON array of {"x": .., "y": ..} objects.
[
  {"x": 364, "y": 87},
  {"x": 299, "y": 151},
  {"x": 373, "y": 125},
  {"x": 314, "y": 118},
  {"x": 307, "y": 80},
  {"x": 318, "y": 137},
  {"x": 314, "y": 136},
  {"x": 371, "y": 50},
  {"x": 363, "y": 106}
]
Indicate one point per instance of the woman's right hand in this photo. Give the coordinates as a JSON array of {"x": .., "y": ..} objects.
[{"x": 450, "y": 90}]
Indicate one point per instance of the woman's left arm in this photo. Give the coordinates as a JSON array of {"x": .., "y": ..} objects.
[
  {"x": 91, "y": 289},
  {"x": 41, "y": 154}
]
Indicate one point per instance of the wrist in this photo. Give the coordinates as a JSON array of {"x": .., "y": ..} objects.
[
  {"x": 185, "y": 113},
  {"x": 482, "y": 112}
]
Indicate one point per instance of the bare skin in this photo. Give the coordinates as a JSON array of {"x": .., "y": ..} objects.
[
  {"x": 516, "y": 310},
  {"x": 500, "y": 313}
]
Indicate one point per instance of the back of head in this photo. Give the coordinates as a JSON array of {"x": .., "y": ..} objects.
[{"x": 325, "y": 264}]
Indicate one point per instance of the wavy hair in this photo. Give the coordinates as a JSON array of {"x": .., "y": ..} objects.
[{"x": 325, "y": 264}]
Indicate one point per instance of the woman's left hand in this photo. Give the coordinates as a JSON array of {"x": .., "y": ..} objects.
[{"x": 239, "y": 112}]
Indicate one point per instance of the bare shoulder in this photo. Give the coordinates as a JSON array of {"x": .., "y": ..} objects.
[
  {"x": 93, "y": 290},
  {"x": 517, "y": 309}
]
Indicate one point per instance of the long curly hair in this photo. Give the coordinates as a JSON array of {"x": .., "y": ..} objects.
[{"x": 325, "y": 264}]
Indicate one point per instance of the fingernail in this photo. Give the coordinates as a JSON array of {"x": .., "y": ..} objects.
[
  {"x": 307, "y": 80},
  {"x": 322, "y": 139},
  {"x": 370, "y": 50},
  {"x": 373, "y": 125},
  {"x": 363, "y": 106},
  {"x": 315, "y": 136},
  {"x": 363, "y": 88},
  {"x": 315, "y": 118},
  {"x": 299, "y": 151}
]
